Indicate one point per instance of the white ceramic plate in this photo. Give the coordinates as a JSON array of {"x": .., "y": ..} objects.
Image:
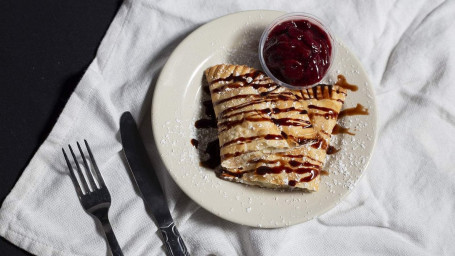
[{"x": 177, "y": 105}]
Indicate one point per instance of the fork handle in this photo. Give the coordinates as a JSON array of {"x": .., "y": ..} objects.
[{"x": 111, "y": 239}]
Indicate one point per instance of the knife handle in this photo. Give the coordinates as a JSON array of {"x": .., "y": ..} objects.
[{"x": 173, "y": 241}]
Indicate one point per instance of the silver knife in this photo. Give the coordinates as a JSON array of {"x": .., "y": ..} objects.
[{"x": 148, "y": 183}]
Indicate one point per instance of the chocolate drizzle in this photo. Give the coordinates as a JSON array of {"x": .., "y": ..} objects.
[
  {"x": 226, "y": 125},
  {"x": 294, "y": 163},
  {"x": 330, "y": 90},
  {"x": 209, "y": 111},
  {"x": 313, "y": 174},
  {"x": 315, "y": 91},
  {"x": 243, "y": 78},
  {"x": 329, "y": 113},
  {"x": 321, "y": 108},
  {"x": 263, "y": 170},
  {"x": 241, "y": 96},
  {"x": 241, "y": 85},
  {"x": 213, "y": 150},
  {"x": 259, "y": 97},
  {"x": 320, "y": 144},
  {"x": 249, "y": 139},
  {"x": 225, "y": 172},
  {"x": 299, "y": 156},
  {"x": 302, "y": 141},
  {"x": 291, "y": 122},
  {"x": 266, "y": 111},
  {"x": 209, "y": 122},
  {"x": 195, "y": 143},
  {"x": 205, "y": 123},
  {"x": 292, "y": 183},
  {"x": 332, "y": 150}
]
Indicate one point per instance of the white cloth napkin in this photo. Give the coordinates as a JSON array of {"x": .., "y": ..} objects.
[{"x": 404, "y": 205}]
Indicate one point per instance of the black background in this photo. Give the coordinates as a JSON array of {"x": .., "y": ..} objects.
[{"x": 45, "y": 46}]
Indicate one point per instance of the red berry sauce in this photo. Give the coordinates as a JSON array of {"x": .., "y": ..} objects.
[{"x": 298, "y": 52}]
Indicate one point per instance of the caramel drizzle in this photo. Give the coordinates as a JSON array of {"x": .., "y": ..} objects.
[
  {"x": 258, "y": 111},
  {"x": 324, "y": 173},
  {"x": 241, "y": 96},
  {"x": 292, "y": 163},
  {"x": 291, "y": 122},
  {"x": 231, "y": 155},
  {"x": 263, "y": 170},
  {"x": 320, "y": 144},
  {"x": 298, "y": 156},
  {"x": 338, "y": 129},
  {"x": 266, "y": 111},
  {"x": 224, "y": 126},
  {"x": 302, "y": 168},
  {"x": 357, "y": 110},
  {"x": 243, "y": 105},
  {"x": 253, "y": 102},
  {"x": 341, "y": 82},
  {"x": 301, "y": 141},
  {"x": 305, "y": 167},
  {"x": 272, "y": 97},
  {"x": 330, "y": 113},
  {"x": 250, "y": 139}
]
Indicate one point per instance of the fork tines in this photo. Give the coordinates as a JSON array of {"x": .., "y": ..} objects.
[{"x": 88, "y": 172}]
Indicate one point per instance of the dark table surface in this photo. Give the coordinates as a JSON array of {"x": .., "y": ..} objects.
[{"x": 45, "y": 46}]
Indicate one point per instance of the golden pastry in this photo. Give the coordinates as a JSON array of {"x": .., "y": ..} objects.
[{"x": 269, "y": 135}]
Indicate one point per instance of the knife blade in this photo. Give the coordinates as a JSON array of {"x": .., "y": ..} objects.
[{"x": 145, "y": 177}]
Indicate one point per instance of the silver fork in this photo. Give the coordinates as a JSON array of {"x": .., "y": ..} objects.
[{"x": 97, "y": 200}]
